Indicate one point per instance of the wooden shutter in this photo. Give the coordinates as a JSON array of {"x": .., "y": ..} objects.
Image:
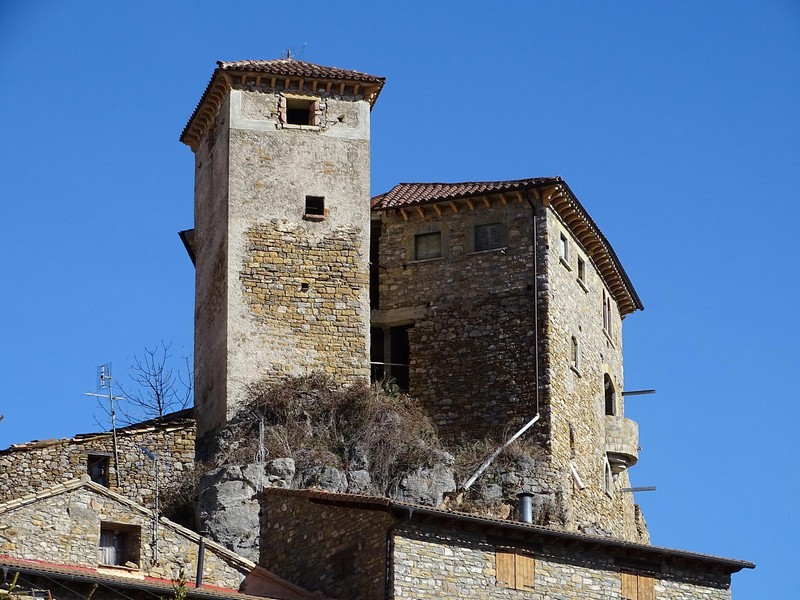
[
  {"x": 647, "y": 588},
  {"x": 630, "y": 586},
  {"x": 505, "y": 566},
  {"x": 526, "y": 570}
]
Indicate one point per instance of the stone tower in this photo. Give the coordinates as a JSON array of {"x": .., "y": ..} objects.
[
  {"x": 282, "y": 223},
  {"x": 502, "y": 301}
]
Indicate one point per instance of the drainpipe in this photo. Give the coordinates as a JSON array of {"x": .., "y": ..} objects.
[
  {"x": 468, "y": 483},
  {"x": 201, "y": 550}
]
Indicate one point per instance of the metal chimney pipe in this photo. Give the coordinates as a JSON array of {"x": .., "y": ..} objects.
[{"x": 525, "y": 507}]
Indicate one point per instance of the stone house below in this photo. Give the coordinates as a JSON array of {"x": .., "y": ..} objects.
[
  {"x": 85, "y": 534},
  {"x": 369, "y": 547}
]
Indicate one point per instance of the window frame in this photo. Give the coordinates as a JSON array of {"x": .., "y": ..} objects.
[
  {"x": 130, "y": 545},
  {"x": 497, "y": 237},
  {"x": 427, "y": 235}
]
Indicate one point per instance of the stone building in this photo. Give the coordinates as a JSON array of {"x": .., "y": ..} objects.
[
  {"x": 506, "y": 302},
  {"x": 368, "y": 547},
  {"x": 79, "y": 534},
  {"x": 37, "y": 465},
  {"x": 281, "y": 233}
]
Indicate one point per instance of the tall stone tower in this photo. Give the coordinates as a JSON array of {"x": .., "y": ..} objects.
[{"x": 282, "y": 224}]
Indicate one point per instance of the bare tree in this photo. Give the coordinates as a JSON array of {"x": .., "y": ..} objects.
[{"x": 157, "y": 386}]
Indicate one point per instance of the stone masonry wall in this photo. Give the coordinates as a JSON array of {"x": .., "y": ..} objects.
[
  {"x": 471, "y": 348},
  {"x": 307, "y": 294},
  {"x": 576, "y": 391},
  {"x": 343, "y": 550},
  {"x": 35, "y": 466},
  {"x": 435, "y": 562},
  {"x": 291, "y": 293},
  {"x": 65, "y": 529}
]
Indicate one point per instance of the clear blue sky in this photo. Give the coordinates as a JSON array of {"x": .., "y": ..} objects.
[{"x": 675, "y": 123}]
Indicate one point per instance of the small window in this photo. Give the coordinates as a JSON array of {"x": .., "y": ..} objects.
[
  {"x": 581, "y": 270},
  {"x": 610, "y": 396},
  {"x": 608, "y": 478},
  {"x": 488, "y": 236},
  {"x": 575, "y": 355},
  {"x": 563, "y": 248},
  {"x": 515, "y": 568},
  {"x": 299, "y": 111},
  {"x": 315, "y": 206},
  {"x": 97, "y": 468},
  {"x": 606, "y": 312},
  {"x": 119, "y": 545},
  {"x": 427, "y": 245}
]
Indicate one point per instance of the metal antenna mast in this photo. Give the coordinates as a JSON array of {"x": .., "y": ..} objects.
[{"x": 104, "y": 382}]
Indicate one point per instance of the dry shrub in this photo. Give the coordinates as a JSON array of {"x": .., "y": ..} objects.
[{"x": 316, "y": 422}]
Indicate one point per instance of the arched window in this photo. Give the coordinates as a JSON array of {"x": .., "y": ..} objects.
[{"x": 610, "y": 395}]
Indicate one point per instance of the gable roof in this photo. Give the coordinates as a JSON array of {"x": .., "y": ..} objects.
[
  {"x": 408, "y": 511},
  {"x": 181, "y": 419},
  {"x": 551, "y": 191},
  {"x": 86, "y": 483},
  {"x": 283, "y": 73}
]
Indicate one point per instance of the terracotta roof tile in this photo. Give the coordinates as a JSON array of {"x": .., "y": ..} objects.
[
  {"x": 290, "y": 67},
  {"x": 86, "y": 574},
  {"x": 407, "y": 194}
]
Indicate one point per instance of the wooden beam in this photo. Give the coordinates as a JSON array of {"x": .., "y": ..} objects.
[
  {"x": 420, "y": 212},
  {"x": 454, "y": 206},
  {"x": 314, "y": 85},
  {"x": 486, "y": 202},
  {"x": 403, "y": 212},
  {"x": 469, "y": 203},
  {"x": 355, "y": 89},
  {"x": 437, "y": 209}
]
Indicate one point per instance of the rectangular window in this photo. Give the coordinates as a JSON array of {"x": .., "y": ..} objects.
[
  {"x": 299, "y": 111},
  {"x": 515, "y": 568},
  {"x": 428, "y": 245},
  {"x": 608, "y": 478},
  {"x": 315, "y": 206},
  {"x": 119, "y": 545},
  {"x": 563, "y": 248},
  {"x": 607, "y": 312},
  {"x": 638, "y": 587},
  {"x": 576, "y": 354},
  {"x": 97, "y": 468},
  {"x": 581, "y": 270},
  {"x": 488, "y": 236}
]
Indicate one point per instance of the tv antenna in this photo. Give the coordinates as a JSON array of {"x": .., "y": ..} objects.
[
  {"x": 105, "y": 389},
  {"x": 154, "y": 457}
]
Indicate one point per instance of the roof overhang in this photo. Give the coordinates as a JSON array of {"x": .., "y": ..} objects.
[
  {"x": 275, "y": 75},
  {"x": 553, "y": 192}
]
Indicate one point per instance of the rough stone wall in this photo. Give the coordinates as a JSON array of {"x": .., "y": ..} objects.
[
  {"x": 36, "y": 466},
  {"x": 293, "y": 291},
  {"x": 434, "y": 562},
  {"x": 343, "y": 549},
  {"x": 211, "y": 223},
  {"x": 65, "y": 529},
  {"x": 471, "y": 348},
  {"x": 576, "y": 392}
]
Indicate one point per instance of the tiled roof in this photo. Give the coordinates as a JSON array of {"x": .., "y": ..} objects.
[
  {"x": 283, "y": 70},
  {"x": 89, "y": 575},
  {"x": 176, "y": 420},
  {"x": 289, "y": 67},
  {"x": 408, "y": 509},
  {"x": 562, "y": 200},
  {"x": 409, "y": 194}
]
